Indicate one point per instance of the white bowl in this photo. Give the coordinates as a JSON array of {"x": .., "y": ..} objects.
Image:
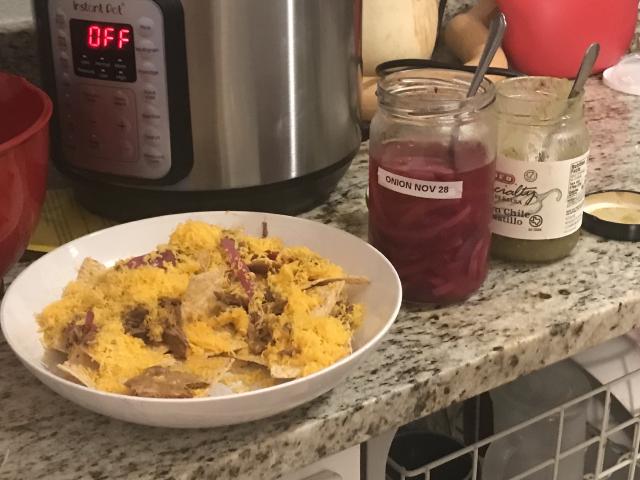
[{"x": 43, "y": 281}]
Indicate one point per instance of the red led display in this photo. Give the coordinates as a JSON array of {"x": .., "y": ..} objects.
[
  {"x": 108, "y": 37},
  {"x": 103, "y": 50}
]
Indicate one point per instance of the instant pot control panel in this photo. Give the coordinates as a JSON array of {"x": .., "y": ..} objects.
[{"x": 120, "y": 80}]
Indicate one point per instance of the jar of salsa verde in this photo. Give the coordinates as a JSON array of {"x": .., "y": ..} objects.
[
  {"x": 431, "y": 176},
  {"x": 542, "y": 155}
]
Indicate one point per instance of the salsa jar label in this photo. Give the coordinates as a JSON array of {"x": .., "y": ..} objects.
[
  {"x": 419, "y": 188},
  {"x": 539, "y": 200}
]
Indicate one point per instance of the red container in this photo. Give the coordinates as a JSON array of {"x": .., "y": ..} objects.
[
  {"x": 25, "y": 111},
  {"x": 549, "y": 37}
]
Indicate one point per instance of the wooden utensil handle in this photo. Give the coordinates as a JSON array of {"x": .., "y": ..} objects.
[{"x": 466, "y": 34}]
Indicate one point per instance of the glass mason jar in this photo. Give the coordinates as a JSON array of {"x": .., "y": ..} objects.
[
  {"x": 431, "y": 174},
  {"x": 543, "y": 146}
]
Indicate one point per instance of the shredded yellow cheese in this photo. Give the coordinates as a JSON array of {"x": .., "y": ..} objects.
[{"x": 113, "y": 306}]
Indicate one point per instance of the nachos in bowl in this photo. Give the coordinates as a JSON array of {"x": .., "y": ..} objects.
[{"x": 211, "y": 307}]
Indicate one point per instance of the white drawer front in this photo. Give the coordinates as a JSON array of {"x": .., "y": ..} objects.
[{"x": 342, "y": 466}]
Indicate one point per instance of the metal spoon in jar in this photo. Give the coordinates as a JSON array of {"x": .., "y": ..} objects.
[
  {"x": 494, "y": 40},
  {"x": 588, "y": 61}
]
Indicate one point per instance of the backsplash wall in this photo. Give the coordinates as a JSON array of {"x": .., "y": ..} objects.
[{"x": 18, "y": 41}]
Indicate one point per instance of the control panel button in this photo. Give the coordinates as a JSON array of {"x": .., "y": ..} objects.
[
  {"x": 151, "y": 115},
  {"x": 153, "y": 156},
  {"x": 62, "y": 39},
  {"x": 66, "y": 80},
  {"x": 64, "y": 59},
  {"x": 66, "y": 99},
  {"x": 90, "y": 94},
  {"x": 84, "y": 60},
  {"x": 121, "y": 75},
  {"x": 151, "y": 136},
  {"x": 61, "y": 17},
  {"x": 91, "y": 119},
  {"x": 102, "y": 63},
  {"x": 120, "y": 99},
  {"x": 148, "y": 69},
  {"x": 102, "y": 74},
  {"x": 146, "y": 48},
  {"x": 126, "y": 151},
  {"x": 123, "y": 125},
  {"x": 94, "y": 142},
  {"x": 145, "y": 26},
  {"x": 150, "y": 92}
]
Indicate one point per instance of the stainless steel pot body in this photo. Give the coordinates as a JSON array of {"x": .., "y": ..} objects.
[{"x": 273, "y": 89}]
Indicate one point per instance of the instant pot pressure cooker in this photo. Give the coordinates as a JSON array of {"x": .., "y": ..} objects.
[{"x": 179, "y": 105}]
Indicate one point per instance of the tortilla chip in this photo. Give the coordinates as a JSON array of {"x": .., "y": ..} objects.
[
  {"x": 285, "y": 371},
  {"x": 329, "y": 295},
  {"x": 351, "y": 280},
  {"x": 245, "y": 356},
  {"x": 247, "y": 377},
  {"x": 163, "y": 382},
  {"x": 78, "y": 374},
  {"x": 199, "y": 298},
  {"x": 203, "y": 257},
  {"x": 81, "y": 367},
  {"x": 206, "y": 367},
  {"x": 90, "y": 270}
]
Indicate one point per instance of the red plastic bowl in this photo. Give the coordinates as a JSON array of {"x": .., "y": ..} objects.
[
  {"x": 549, "y": 37},
  {"x": 25, "y": 111}
]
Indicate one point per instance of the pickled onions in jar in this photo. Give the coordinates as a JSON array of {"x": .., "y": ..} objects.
[{"x": 431, "y": 216}]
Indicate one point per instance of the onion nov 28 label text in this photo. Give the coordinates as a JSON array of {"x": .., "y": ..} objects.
[{"x": 419, "y": 188}]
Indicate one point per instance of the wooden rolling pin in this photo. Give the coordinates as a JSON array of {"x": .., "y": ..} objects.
[{"x": 465, "y": 35}]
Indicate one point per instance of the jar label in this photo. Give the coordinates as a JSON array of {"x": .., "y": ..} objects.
[
  {"x": 539, "y": 200},
  {"x": 419, "y": 188}
]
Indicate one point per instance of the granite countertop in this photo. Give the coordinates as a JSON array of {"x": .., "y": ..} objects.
[
  {"x": 15, "y": 15},
  {"x": 523, "y": 318},
  {"x": 17, "y": 39}
]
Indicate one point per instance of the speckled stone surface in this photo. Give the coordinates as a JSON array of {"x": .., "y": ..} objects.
[
  {"x": 18, "y": 39},
  {"x": 18, "y": 53},
  {"x": 523, "y": 318}
]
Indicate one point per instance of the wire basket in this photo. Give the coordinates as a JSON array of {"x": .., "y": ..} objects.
[{"x": 610, "y": 450}]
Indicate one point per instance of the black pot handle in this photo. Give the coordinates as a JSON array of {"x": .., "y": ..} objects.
[
  {"x": 441, "y": 9},
  {"x": 392, "y": 66}
]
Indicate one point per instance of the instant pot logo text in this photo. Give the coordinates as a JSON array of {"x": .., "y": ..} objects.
[{"x": 102, "y": 7}]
